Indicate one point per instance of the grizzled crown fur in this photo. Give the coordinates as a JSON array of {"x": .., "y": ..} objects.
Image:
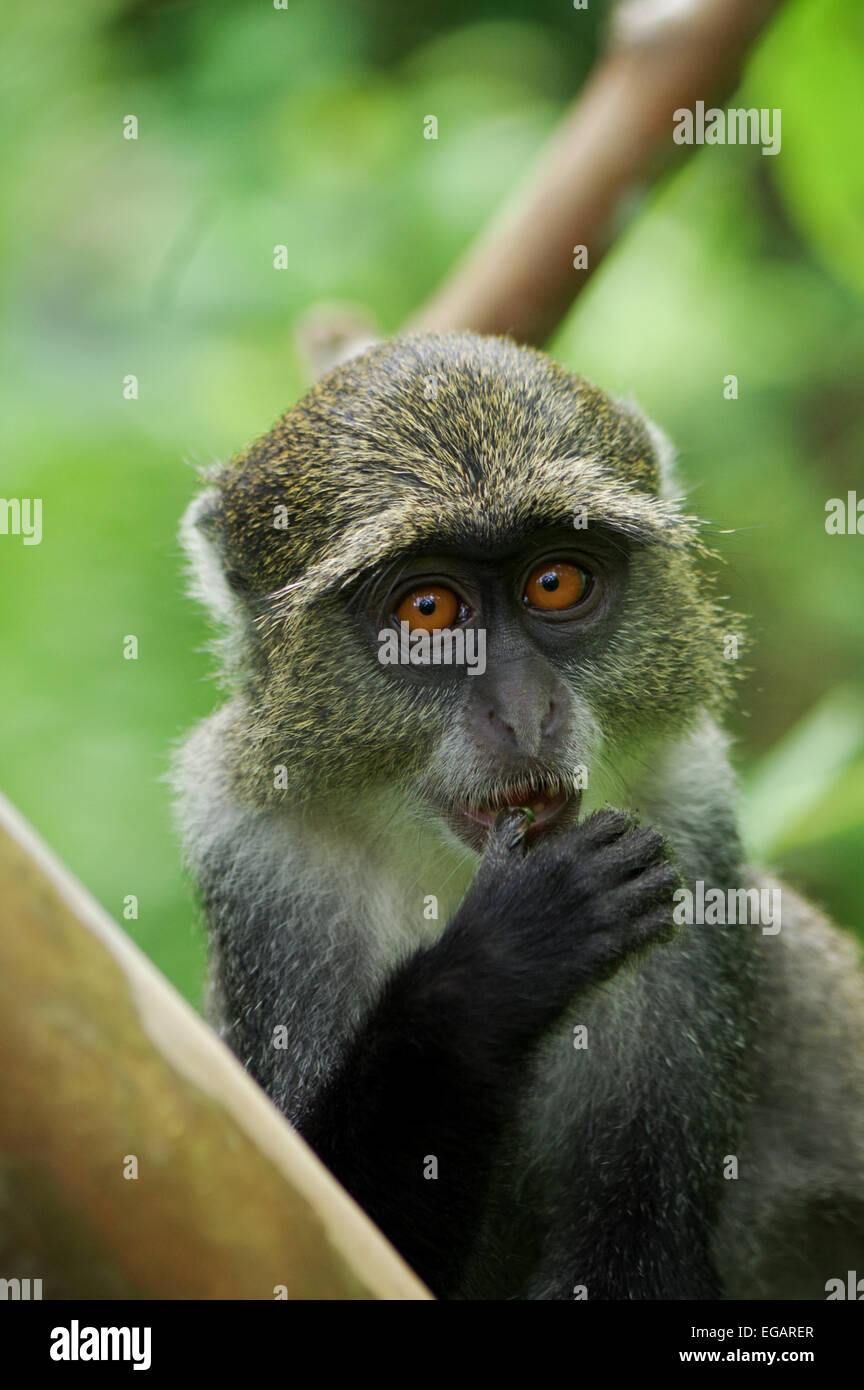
[
  {"x": 447, "y": 437},
  {"x": 421, "y": 445}
]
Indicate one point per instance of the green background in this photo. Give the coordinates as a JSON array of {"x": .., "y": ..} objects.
[{"x": 305, "y": 127}]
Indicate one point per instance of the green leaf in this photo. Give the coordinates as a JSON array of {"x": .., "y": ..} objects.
[
  {"x": 811, "y": 67},
  {"x": 783, "y": 792}
]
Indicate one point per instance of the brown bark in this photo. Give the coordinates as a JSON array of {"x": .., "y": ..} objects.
[
  {"x": 518, "y": 277},
  {"x": 102, "y": 1060}
]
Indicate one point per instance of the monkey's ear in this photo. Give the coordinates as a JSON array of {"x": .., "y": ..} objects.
[
  {"x": 211, "y": 582},
  {"x": 670, "y": 487}
]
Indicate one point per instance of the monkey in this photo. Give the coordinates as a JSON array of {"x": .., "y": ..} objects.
[{"x": 444, "y": 906}]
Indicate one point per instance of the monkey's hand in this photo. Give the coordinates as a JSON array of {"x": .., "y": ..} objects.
[
  {"x": 538, "y": 927},
  {"x": 434, "y": 1070}
]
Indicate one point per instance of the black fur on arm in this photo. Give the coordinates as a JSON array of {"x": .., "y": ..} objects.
[
  {"x": 437, "y": 1068},
  {"x": 420, "y": 1081}
]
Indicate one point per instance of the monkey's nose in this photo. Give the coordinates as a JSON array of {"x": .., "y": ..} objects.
[
  {"x": 524, "y": 727},
  {"x": 523, "y": 724}
]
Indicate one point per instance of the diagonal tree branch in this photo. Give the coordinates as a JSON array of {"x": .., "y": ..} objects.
[
  {"x": 102, "y": 1063},
  {"x": 616, "y": 140}
]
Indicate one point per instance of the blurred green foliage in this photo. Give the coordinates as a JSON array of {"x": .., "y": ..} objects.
[{"x": 304, "y": 127}]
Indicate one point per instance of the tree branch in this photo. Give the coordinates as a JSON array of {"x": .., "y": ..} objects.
[
  {"x": 518, "y": 277},
  {"x": 102, "y": 1062}
]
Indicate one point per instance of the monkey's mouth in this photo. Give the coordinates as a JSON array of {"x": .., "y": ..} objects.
[{"x": 546, "y": 807}]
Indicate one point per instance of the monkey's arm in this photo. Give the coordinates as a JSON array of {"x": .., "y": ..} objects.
[
  {"x": 411, "y": 1120},
  {"x": 435, "y": 1071}
]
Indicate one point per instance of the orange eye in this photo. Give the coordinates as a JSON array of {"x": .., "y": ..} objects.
[
  {"x": 558, "y": 584},
  {"x": 428, "y": 607}
]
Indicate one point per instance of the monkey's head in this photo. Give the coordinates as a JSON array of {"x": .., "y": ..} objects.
[{"x": 465, "y": 485}]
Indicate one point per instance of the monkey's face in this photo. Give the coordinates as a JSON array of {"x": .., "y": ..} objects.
[
  {"x": 493, "y": 641},
  {"x": 515, "y": 510}
]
